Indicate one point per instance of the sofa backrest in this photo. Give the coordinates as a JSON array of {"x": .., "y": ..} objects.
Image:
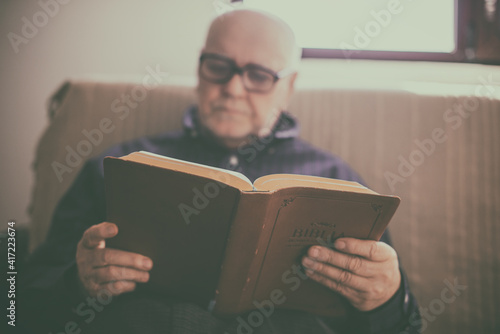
[{"x": 440, "y": 152}]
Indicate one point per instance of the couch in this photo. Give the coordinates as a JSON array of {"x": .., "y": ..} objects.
[{"x": 436, "y": 147}]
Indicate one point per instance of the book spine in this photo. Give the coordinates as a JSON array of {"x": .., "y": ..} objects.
[{"x": 242, "y": 245}]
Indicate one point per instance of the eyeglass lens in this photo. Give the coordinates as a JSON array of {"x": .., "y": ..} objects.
[{"x": 221, "y": 71}]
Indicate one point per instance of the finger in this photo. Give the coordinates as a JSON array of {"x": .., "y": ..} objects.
[
  {"x": 94, "y": 235},
  {"x": 92, "y": 288},
  {"x": 116, "y": 288},
  {"x": 344, "y": 290},
  {"x": 115, "y": 273},
  {"x": 338, "y": 275},
  {"x": 369, "y": 249},
  {"x": 353, "y": 263},
  {"x": 116, "y": 257}
]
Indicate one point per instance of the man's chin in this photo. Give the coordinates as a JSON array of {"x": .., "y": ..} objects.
[
  {"x": 230, "y": 131},
  {"x": 236, "y": 139},
  {"x": 231, "y": 138}
]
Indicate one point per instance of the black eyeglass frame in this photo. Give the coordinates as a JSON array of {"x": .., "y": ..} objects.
[{"x": 235, "y": 69}]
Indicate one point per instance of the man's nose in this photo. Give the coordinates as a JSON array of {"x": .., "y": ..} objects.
[{"x": 235, "y": 86}]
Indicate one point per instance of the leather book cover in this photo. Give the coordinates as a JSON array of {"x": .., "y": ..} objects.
[
  {"x": 295, "y": 219},
  {"x": 211, "y": 239},
  {"x": 145, "y": 202}
]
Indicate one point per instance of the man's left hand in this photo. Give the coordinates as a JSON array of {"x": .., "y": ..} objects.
[{"x": 366, "y": 272}]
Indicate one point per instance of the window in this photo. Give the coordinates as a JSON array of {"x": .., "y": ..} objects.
[{"x": 442, "y": 30}]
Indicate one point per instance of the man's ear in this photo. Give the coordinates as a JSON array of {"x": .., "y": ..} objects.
[
  {"x": 290, "y": 89},
  {"x": 293, "y": 76},
  {"x": 198, "y": 72}
]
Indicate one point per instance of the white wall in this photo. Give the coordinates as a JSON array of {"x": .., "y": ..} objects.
[
  {"x": 118, "y": 38},
  {"x": 83, "y": 37}
]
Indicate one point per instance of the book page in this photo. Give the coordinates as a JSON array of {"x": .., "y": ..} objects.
[
  {"x": 282, "y": 181},
  {"x": 173, "y": 160},
  {"x": 229, "y": 177}
]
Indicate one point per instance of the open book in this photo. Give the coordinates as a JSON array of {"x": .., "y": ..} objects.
[{"x": 211, "y": 233}]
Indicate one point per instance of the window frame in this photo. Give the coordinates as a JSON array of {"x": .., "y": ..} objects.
[
  {"x": 464, "y": 39},
  {"x": 458, "y": 55}
]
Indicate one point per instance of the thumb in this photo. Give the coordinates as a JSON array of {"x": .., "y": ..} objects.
[{"x": 94, "y": 236}]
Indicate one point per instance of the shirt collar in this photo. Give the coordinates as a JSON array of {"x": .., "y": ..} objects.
[{"x": 286, "y": 126}]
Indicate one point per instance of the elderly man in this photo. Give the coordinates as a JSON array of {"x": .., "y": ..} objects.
[{"x": 246, "y": 77}]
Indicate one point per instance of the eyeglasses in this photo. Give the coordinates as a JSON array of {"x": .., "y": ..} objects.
[{"x": 220, "y": 70}]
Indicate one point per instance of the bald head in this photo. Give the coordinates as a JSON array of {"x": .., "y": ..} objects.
[
  {"x": 252, "y": 48},
  {"x": 268, "y": 38}
]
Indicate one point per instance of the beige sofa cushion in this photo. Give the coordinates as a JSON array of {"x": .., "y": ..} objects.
[{"x": 443, "y": 160}]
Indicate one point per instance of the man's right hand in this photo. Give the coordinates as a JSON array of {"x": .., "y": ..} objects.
[{"x": 105, "y": 268}]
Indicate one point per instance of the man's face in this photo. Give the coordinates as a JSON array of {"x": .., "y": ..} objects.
[{"x": 228, "y": 110}]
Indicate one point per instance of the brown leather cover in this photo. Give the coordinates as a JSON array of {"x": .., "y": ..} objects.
[
  {"x": 143, "y": 201},
  {"x": 292, "y": 220},
  {"x": 243, "y": 244}
]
